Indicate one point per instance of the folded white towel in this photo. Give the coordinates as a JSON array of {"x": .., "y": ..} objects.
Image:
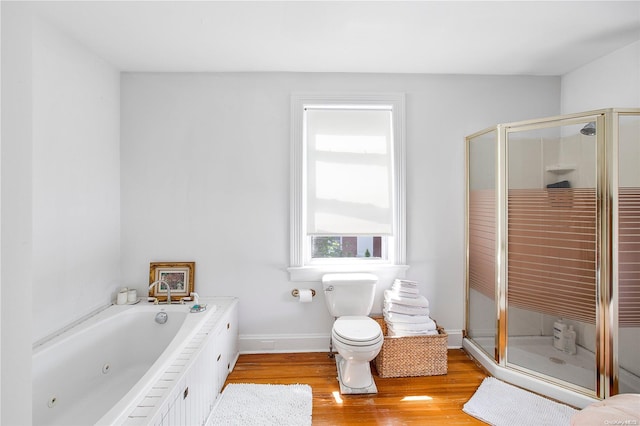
[
  {"x": 404, "y": 294},
  {"x": 405, "y": 309},
  {"x": 404, "y": 318},
  {"x": 400, "y": 326},
  {"x": 394, "y": 333},
  {"x": 403, "y": 289},
  {"x": 417, "y": 301},
  {"x": 406, "y": 283}
]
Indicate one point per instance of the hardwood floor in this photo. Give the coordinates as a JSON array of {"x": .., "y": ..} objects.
[{"x": 430, "y": 400}]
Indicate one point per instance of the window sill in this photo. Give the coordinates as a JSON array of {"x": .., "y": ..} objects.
[{"x": 315, "y": 273}]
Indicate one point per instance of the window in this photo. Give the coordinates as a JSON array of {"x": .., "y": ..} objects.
[
  {"x": 347, "y": 184},
  {"x": 346, "y": 246}
]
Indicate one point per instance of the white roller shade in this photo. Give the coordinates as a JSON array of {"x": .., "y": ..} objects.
[{"x": 349, "y": 171}]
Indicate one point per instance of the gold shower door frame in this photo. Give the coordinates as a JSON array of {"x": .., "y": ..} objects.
[{"x": 606, "y": 256}]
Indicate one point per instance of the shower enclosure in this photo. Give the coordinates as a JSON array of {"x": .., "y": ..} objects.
[{"x": 553, "y": 253}]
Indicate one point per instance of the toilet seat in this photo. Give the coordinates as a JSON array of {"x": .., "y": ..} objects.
[
  {"x": 357, "y": 331},
  {"x": 354, "y": 345}
]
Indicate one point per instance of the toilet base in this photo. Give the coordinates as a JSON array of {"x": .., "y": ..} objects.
[{"x": 348, "y": 390}]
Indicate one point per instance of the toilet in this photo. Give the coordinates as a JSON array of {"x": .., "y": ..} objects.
[{"x": 356, "y": 337}]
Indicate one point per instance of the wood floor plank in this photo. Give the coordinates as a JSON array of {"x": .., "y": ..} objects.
[{"x": 429, "y": 400}]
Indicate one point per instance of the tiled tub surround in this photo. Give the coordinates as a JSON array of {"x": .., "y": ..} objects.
[{"x": 121, "y": 367}]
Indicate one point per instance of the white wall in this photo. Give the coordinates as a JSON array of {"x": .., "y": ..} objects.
[
  {"x": 60, "y": 192},
  {"x": 612, "y": 81},
  {"x": 76, "y": 181},
  {"x": 205, "y": 177},
  {"x": 16, "y": 217}
]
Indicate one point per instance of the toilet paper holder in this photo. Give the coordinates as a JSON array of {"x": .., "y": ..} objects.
[{"x": 296, "y": 293}]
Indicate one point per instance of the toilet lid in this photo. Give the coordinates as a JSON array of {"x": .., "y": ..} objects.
[{"x": 357, "y": 329}]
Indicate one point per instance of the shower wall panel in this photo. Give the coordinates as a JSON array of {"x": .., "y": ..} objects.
[
  {"x": 481, "y": 234},
  {"x": 629, "y": 257},
  {"x": 628, "y": 294},
  {"x": 482, "y": 241}
]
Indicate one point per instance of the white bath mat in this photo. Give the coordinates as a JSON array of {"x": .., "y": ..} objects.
[
  {"x": 252, "y": 404},
  {"x": 500, "y": 404}
]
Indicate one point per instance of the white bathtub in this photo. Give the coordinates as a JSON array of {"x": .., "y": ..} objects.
[
  {"x": 537, "y": 354},
  {"x": 100, "y": 371}
]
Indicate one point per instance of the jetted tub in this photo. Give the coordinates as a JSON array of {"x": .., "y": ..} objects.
[{"x": 102, "y": 370}]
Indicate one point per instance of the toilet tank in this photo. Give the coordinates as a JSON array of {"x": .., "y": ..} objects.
[{"x": 349, "y": 293}]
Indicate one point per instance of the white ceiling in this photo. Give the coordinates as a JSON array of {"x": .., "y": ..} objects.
[{"x": 451, "y": 37}]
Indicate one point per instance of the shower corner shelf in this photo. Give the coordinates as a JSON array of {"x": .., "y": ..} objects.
[{"x": 560, "y": 169}]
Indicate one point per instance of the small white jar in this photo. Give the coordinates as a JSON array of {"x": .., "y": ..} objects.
[{"x": 121, "y": 299}]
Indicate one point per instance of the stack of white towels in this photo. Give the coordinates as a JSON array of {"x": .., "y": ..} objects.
[{"x": 406, "y": 311}]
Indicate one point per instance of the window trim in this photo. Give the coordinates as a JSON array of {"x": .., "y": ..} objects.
[{"x": 298, "y": 269}]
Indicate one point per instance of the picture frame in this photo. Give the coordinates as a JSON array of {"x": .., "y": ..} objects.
[{"x": 179, "y": 275}]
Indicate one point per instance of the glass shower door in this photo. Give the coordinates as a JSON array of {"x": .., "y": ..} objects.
[
  {"x": 628, "y": 286},
  {"x": 481, "y": 238},
  {"x": 552, "y": 251}
]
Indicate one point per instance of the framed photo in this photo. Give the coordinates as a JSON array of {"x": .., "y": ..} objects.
[{"x": 178, "y": 275}]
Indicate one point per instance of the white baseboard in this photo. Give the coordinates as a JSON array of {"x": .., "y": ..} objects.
[
  {"x": 312, "y": 342},
  {"x": 454, "y": 340}
]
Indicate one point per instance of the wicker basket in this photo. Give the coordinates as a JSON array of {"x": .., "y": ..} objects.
[{"x": 412, "y": 355}]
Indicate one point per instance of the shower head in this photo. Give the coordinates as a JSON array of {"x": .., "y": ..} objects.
[{"x": 589, "y": 129}]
